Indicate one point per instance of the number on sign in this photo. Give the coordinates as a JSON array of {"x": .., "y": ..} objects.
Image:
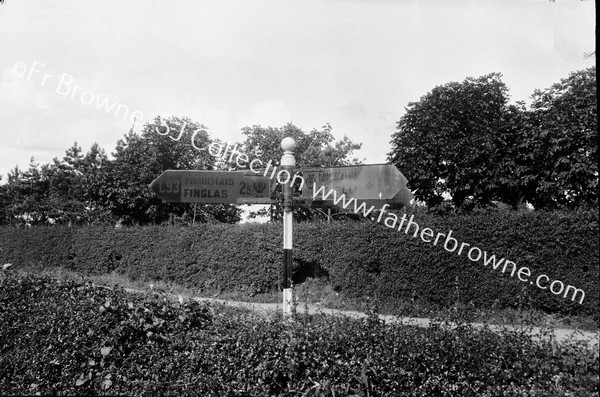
[
  {"x": 169, "y": 187},
  {"x": 245, "y": 189}
]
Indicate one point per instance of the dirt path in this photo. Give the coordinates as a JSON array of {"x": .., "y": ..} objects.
[{"x": 561, "y": 334}]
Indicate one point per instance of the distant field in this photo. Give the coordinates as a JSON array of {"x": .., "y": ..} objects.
[{"x": 71, "y": 337}]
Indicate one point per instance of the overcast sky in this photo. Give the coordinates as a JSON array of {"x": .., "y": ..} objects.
[{"x": 229, "y": 64}]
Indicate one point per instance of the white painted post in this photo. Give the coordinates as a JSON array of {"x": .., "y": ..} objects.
[{"x": 288, "y": 163}]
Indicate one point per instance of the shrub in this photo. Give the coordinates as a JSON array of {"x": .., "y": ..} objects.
[
  {"x": 76, "y": 338},
  {"x": 359, "y": 259},
  {"x": 373, "y": 260}
]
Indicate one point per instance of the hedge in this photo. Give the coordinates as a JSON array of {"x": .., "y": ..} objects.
[
  {"x": 65, "y": 337},
  {"x": 358, "y": 259}
]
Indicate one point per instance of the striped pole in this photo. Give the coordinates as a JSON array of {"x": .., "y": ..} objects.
[{"x": 288, "y": 163}]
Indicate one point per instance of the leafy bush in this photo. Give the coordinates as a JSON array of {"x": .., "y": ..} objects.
[
  {"x": 389, "y": 264},
  {"x": 77, "y": 338},
  {"x": 359, "y": 259}
]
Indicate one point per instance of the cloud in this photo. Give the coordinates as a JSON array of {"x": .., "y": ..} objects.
[
  {"x": 23, "y": 105},
  {"x": 15, "y": 92},
  {"x": 268, "y": 112},
  {"x": 40, "y": 122},
  {"x": 353, "y": 110}
]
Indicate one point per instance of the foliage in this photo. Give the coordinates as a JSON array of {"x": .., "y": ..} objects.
[
  {"x": 358, "y": 259},
  {"x": 139, "y": 159},
  {"x": 69, "y": 180},
  {"x": 316, "y": 148},
  {"x": 394, "y": 266},
  {"x": 564, "y": 143},
  {"x": 548, "y": 155},
  {"x": 92, "y": 189},
  {"x": 444, "y": 142},
  {"x": 25, "y": 196},
  {"x": 77, "y": 338},
  {"x": 313, "y": 149},
  {"x": 464, "y": 139},
  {"x": 54, "y": 193}
]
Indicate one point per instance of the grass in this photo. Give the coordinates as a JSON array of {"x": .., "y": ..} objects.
[{"x": 318, "y": 292}]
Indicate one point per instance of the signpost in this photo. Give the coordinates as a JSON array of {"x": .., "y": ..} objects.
[
  {"x": 374, "y": 184},
  {"x": 288, "y": 162},
  {"x": 212, "y": 187}
]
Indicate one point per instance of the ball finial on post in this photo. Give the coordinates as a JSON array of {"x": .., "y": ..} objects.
[{"x": 288, "y": 144}]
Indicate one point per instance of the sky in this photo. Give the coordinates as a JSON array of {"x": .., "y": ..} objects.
[{"x": 83, "y": 71}]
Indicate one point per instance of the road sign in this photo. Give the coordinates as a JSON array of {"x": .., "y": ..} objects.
[
  {"x": 375, "y": 183},
  {"x": 211, "y": 187},
  {"x": 397, "y": 202}
]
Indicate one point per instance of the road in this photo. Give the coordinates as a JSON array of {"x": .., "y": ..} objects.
[{"x": 560, "y": 334}]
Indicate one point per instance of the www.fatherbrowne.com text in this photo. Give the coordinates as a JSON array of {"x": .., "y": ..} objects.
[
  {"x": 450, "y": 244},
  {"x": 475, "y": 254}
]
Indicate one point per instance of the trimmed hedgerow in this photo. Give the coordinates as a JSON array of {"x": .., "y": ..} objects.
[
  {"x": 358, "y": 259},
  {"x": 72, "y": 338},
  {"x": 36, "y": 248},
  {"x": 371, "y": 259}
]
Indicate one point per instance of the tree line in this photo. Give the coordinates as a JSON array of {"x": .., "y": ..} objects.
[
  {"x": 464, "y": 145},
  {"x": 91, "y": 188},
  {"x": 461, "y": 146}
]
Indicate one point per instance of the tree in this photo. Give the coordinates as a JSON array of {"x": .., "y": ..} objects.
[
  {"x": 122, "y": 186},
  {"x": 465, "y": 140},
  {"x": 5, "y": 201},
  {"x": 66, "y": 190},
  {"x": 70, "y": 179},
  {"x": 514, "y": 181},
  {"x": 316, "y": 148},
  {"x": 26, "y": 195},
  {"x": 93, "y": 165},
  {"x": 51, "y": 193},
  {"x": 444, "y": 144},
  {"x": 563, "y": 143},
  {"x": 91, "y": 188}
]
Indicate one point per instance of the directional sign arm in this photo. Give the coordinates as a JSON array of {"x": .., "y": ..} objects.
[
  {"x": 363, "y": 182},
  {"x": 211, "y": 187}
]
